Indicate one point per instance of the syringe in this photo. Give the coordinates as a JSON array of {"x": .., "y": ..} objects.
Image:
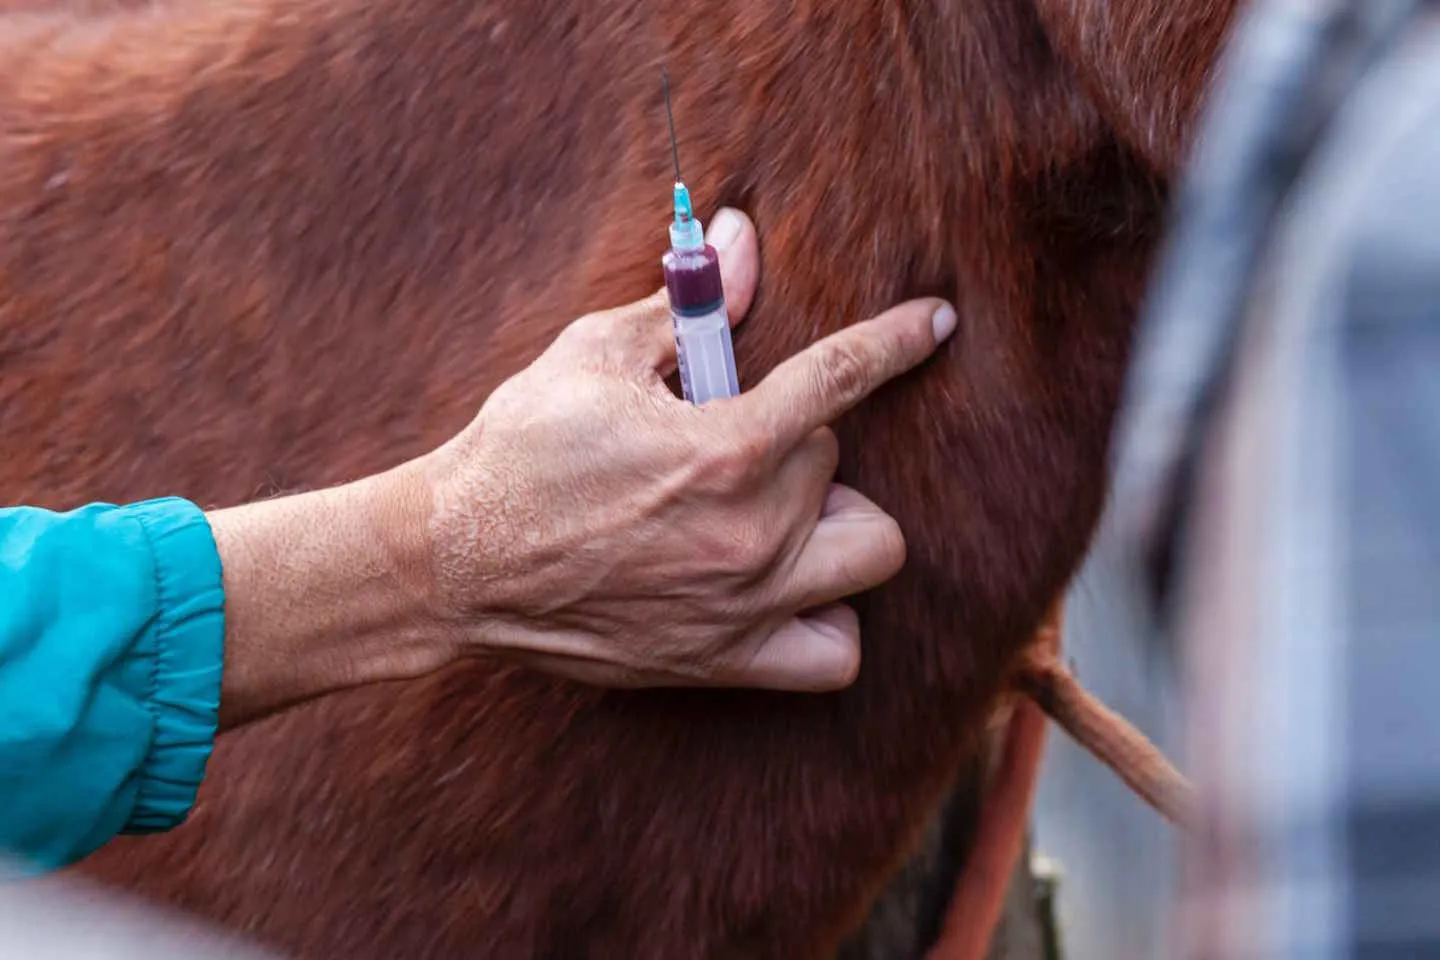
[{"x": 697, "y": 297}]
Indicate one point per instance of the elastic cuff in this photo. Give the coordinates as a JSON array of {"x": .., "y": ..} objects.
[{"x": 187, "y": 639}]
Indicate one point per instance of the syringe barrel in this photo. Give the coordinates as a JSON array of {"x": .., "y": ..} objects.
[{"x": 702, "y": 325}]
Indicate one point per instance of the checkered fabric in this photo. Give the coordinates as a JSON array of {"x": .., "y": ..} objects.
[{"x": 1309, "y": 602}]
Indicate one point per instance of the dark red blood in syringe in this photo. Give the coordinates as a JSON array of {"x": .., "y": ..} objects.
[{"x": 693, "y": 279}]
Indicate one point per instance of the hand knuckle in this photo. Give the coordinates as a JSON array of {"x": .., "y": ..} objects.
[
  {"x": 591, "y": 324},
  {"x": 654, "y": 307},
  {"x": 640, "y": 319},
  {"x": 583, "y": 333},
  {"x": 643, "y": 314},
  {"x": 738, "y": 461},
  {"x": 752, "y": 552},
  {"x": 726, "y": 553},
  {"x": 844, "y": 372}
]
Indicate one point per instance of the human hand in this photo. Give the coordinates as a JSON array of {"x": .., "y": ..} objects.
[{"x": 590, "y": 523}]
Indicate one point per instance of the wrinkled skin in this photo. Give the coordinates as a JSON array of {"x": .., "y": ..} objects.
[{"x": 251, "y": 246}]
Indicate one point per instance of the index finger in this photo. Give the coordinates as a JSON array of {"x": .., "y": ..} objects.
[{"x": 817, "y": 385}]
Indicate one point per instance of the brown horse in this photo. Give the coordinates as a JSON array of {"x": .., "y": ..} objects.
[{"x": 258, "y": 245}]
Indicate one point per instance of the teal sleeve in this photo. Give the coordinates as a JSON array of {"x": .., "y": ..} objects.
[{"x": 111, "y": 648}]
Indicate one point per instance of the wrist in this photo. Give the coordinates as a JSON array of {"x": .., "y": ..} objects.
[
  {"x": 477, "y": 593},
  {"x": 326, "y": 590},
  {"x": 392, "y": 514}
]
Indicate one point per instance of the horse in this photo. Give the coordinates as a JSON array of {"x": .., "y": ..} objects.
[{"x": 257, "y": 246}]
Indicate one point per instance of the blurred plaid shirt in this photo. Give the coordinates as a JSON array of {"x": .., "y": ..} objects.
[{"x": 1310, "y": 612}]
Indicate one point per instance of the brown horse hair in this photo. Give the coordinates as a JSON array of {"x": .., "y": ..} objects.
[{"x": 260, "y": 245}]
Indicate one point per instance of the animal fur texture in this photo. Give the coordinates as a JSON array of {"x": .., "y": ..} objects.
[{"x": 250, "y": 246}]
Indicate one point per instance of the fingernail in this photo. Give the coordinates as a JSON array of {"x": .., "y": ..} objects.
[
  {"x": 943, "y": 322},
  {"x": 723, "y": 229}
]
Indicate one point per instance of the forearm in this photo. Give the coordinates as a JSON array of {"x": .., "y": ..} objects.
[
  {"x": 325, "y": 590},
  {"x": 130, "y": 634}
]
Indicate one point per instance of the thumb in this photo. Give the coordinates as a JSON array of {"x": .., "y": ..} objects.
[{"x": 733, "y": 236}]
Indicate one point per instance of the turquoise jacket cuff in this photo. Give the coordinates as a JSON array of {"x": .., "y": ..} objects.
[
  {"x": 111, "y": 654},
  {"x": 185, "y": 653}
]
